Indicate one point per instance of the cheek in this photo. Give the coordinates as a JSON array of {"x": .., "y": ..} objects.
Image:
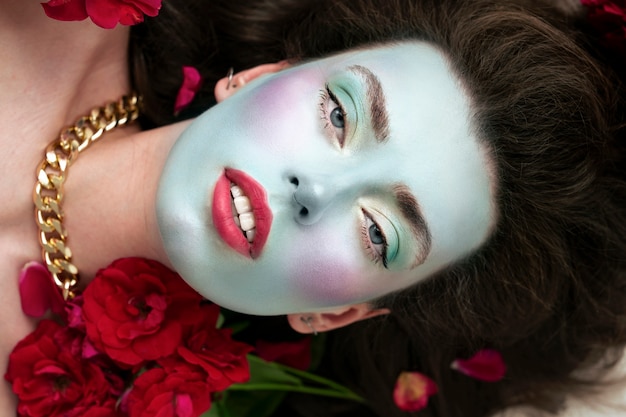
[
  {"x": 330, "y": 283},
  {"x": 328, "y": 270},
  {"x": 280, "y": 114}
]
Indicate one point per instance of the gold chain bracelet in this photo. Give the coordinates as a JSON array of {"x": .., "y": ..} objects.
[{"x": 51, "y": 175}]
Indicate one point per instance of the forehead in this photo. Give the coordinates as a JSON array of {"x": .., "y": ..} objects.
[
  {"x": 433, "y": 142},
  {"x": 403, "y": 60}
]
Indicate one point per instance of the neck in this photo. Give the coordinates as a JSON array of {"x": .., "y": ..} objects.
[{"x": 110, "y": 198}]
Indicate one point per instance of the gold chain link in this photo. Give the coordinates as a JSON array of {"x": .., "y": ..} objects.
[{"x": 51, "y": 175}]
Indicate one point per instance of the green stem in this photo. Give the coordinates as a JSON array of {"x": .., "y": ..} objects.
[
  {"x": 337, "y": 390},
  {"x": 311, "y": 377},
  {"x": 316, "y": 378},
  {"x": 295, "y": 388}
]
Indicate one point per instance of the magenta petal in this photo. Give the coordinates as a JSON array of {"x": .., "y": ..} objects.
[
  {"x": 184, "y": 406},
  {"x": 89, "y": 350},
  {"x": 192, "y": 81},
  {"x": 38, "y": 292},
  {"x": 486, "y": 365}
]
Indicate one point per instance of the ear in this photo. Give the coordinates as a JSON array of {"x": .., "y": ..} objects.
[
  {"x": 333, "y": 319},
  {"x": 223, "y": 89}
]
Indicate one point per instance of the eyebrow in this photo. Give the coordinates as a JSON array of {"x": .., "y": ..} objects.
[
  {"x": 410, "y": 210},
  {"x": 376, "y": 101}
]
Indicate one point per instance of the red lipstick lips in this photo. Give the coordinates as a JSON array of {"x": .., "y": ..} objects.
[{"x": 223, "y": 218}]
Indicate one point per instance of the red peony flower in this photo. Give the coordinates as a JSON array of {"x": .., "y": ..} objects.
[
  {"x": 51, "y": 381},
  {"x": 136, "y": 309},
  {"x": 213, "y": 351},
  {"x": 412, "y": 391},
  {"x": 104, "y": 13},
  {"x": 139, "y": 342},
  {"x": 486, "y": 365},
  {"x": 296, "y": 354},
  {"x": 176, "y": 392}
]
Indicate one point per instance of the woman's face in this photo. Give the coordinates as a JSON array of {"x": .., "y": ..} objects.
[{"x": 360, "y": 175}]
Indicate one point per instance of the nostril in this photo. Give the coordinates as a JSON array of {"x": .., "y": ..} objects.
[
  {"x": 304, "y": 212},
  {"x": 294, "y": 181}
]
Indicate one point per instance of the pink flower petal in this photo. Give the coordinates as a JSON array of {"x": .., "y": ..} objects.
[
  {"x": 192, "y": 81},
  {"x": 486, "y": 365},
  {"x": 38, "y": 292},
  {"x": 184, "y": 405},
  {"x": 412, "y": 391},
  {"x": 66, "y": 10}
]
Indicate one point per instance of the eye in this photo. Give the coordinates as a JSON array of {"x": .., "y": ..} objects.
[
  {"x": 376, "y": 236},
  {"x": 334, "y": 115},
  {"x": 336, "y": 118},
  {"x": 374, "y": 240}
]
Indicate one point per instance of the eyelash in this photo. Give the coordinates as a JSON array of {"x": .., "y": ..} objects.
[
  {"x": 369, "y": 245},
  {"x": 327, "y": 95}
]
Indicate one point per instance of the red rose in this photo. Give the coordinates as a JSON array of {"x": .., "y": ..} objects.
[
  {"x": 177, "y": 392},
  {"x": 104, "y": 13},
  {"x": 51, "y": 381},
  {"x": 136, "y": 309},
  {"x": 214, "y": 351}
]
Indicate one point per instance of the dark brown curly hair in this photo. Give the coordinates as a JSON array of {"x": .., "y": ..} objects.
[{"x": 548, "y": 289}]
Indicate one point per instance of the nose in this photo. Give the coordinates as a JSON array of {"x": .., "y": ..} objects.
[{"x": 310, "y": 198}]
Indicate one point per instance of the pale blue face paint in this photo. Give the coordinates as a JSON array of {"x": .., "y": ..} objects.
[{"x": 285, "y": 131}]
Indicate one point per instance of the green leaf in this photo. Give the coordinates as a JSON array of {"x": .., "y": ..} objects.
[
  {"x": 252, "y": 403},
  {"x": 262, "y": 372},
  {"x": 220, "y": 321},
  {"x": 268, "y": 385},
  {"x": 318, "y": 345},
  {"x": 271, "y": 376},
  {"x": 239, "y": 326},
  {"x": 213, "y": 412}
]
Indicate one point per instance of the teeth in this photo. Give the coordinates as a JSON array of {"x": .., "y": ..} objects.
[
  {"x": 242, "y": 204},
  {"x": 235, "y": 191},
  {"x": 242, "y": 212},
  {"x": 247, "y": 221}
]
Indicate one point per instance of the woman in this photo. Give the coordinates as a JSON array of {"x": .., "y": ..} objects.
[
  {"x": 519, "y": 131},
  {"x": 550, "y": 271}
]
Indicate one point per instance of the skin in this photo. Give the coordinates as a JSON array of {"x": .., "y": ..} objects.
[
  {"x": 43, "y": 89},
  {"x": 405, "y": 161}
]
